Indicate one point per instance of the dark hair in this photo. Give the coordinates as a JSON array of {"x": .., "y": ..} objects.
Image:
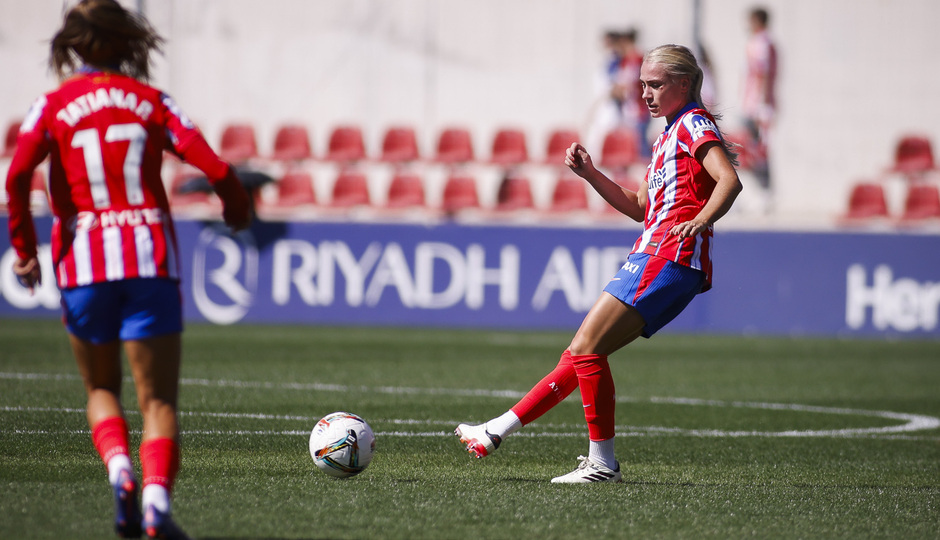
[
  {"x": 103, "y": 34},
  {"x": 761, "y": 15}
]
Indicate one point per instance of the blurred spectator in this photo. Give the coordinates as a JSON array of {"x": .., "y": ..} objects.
[
  {"x": 759, "y": 97},
  {"x": 612, "y": 64},
  {"x": 619, "y": 103},
  {"x": 604, "y": 113},
  {"x": 634, "y": 113}
]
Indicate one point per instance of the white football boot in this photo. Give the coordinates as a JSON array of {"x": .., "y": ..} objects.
[
  {"x": 588, "y": 472},
  {"x": 480, "y": 443}
]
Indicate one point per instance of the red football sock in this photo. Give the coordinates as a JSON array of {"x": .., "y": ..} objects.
[
  {"x": 110, "y": 437},
  {"x": 160, "y": 461},
  {"x": 597, "y": 394},
  {"x": 550, "y": 391}
]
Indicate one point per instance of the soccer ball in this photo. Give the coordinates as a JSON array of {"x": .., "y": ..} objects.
[{"x": 342, "y": 444}]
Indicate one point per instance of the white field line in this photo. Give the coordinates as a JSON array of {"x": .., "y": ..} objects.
[{"x": 911, "y": 422}]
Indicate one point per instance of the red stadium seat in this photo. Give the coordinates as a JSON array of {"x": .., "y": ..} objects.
[
  {"x": 913, "y": 155},
  {"x": 455, "y": 146},
  {"x": 238, "y": 143},
  {"x": 350, "y": 189},
  {"x": 509, "y": 147},
  {"x": 558, "y": 143},
  {"x": 570, "y": 194},
  {"x": 400, "y": 145},
  {"x": 406, "y": 190},
  {"x": 867, "y": 201},
  {"x": 292, "y": 143},
  {"x": 620, "y": 149},
  {"x": 922, "y": 202},
  {"x": 9, "y": 142},
  {"x": 346, "y": 144},
  {"x": 295, "y": 189},
  {"x": 515, "y": 193},
  {"x": 460, "y": 193}
]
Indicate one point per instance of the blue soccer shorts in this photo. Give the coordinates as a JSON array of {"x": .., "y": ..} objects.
[
  {"x": 658, "y": 288},
  {"x": 128, "y": 309}
]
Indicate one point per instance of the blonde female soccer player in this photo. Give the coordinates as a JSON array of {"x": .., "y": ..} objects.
[
  {"x": 114, "y": 251},
  {"x": 690, "y": 183}
]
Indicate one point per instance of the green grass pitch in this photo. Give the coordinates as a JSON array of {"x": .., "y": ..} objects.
[{"x": 719, "y": 437}]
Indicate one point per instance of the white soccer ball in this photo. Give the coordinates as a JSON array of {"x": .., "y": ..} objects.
[{"x": 342, "y": 444}]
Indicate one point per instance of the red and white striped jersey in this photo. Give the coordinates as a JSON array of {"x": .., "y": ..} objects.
[
  {"x": 678, "y": 189},
  {"x": 104, "y": 134}
]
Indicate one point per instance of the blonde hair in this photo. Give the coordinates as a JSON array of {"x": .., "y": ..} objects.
[
  {"x": 679, "y": 62},
  {"x": 103, "y": 34}
]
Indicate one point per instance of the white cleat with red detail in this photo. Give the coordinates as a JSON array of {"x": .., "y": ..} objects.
[{"x": 480, "y": 443}]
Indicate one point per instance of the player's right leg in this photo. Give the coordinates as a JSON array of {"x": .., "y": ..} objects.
[
  {"x": 483, "y": 439},
  {"x": 93, "y": 335}
]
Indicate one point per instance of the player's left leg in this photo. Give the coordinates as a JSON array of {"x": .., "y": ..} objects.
[
  {"x": 646, "y": 294},
  {"x": 155, "y": 362},
  {"x": 608, "y": 326},
  {"x": 151, "y": 330},
  {"x": 90, "y": 318}
]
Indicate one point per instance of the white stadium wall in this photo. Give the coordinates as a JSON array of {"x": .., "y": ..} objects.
[{"x": 854, "y": 74}]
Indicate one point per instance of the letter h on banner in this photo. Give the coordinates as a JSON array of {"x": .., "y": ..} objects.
[{"x": 506, "y": 276}]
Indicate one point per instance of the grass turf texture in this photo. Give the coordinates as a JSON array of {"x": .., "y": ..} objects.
[{"x": 247, "y": 472}]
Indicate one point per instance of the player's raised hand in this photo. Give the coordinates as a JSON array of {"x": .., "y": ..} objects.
[{"x": 578, "y": 160}]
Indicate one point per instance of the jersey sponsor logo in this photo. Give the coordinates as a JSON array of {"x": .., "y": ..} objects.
[
  {"x": 700, "y": 125},
  {"x": 103, "y": 98},
  {"x": 83, "y": 221},
  {"x": 131, "y": 217},
  {"x": 86, "y": 221},
  {"x": 631, "y": 267},
  {"x": 658, "y": 179}
]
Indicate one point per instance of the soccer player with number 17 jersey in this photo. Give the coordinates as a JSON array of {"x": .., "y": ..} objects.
[
  {"x": 689, "y": 184},
  {"x": 104, "y": 131}
]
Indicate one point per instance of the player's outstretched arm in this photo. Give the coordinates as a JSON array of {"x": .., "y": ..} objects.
[
  {"x": 236, "y": 202},
  {"x": 627, "y": 202}
]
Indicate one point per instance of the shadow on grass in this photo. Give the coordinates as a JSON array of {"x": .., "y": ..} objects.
[
  {"x": 757, "y": 485},
  {"x": 261, "y": 538}
]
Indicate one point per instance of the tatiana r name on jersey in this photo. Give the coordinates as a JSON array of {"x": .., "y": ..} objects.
[{"x": 103, "y": 98}]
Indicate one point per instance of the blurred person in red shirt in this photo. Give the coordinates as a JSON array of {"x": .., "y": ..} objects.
[{"x": 760, "y": 102}]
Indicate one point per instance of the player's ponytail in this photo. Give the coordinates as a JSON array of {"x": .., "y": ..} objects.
[
  {"x": 679, "y": 62},
  {"x": 102, "y": 34}
]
